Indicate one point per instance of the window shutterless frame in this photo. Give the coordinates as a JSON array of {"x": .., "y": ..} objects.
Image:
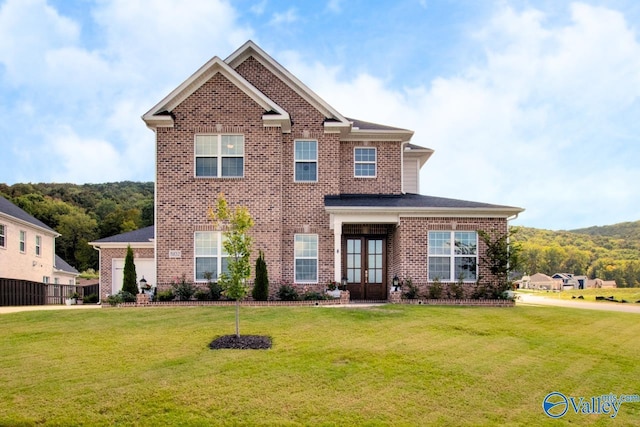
[
  {"x": 305, "y": 254},
  {"x": 219, "y": 156},
  {"x": 23, "y": 241},
  {"x": 3, "y": 236},
  {"x": 305, "y": 160},
  {"x": 453, "y": 254},
  {"x": 365, "y": 162},
  {"x": 209, "y": 255}
]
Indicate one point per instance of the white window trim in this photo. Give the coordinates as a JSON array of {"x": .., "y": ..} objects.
[
  {"x": 452, "y": 256},
  {"x": 219, "y": 157},
  {"x": 374, "y": 163},
  {"x": 295, "y": 161},
  {"x": 38, "y": 247},
  {"x": 295, "y": 279},
  {"x": 4, "y": 236},
  {"x": 221, "y": 254},
  {"x": 22, "y": 242}
]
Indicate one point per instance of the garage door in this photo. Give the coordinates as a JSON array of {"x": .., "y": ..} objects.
[{"x": 144, "y": 268}]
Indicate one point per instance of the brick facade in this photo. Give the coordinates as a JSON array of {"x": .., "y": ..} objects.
[{"x": 226, "y": 103}]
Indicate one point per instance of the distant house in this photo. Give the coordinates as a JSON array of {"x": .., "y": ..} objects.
[
  {"x": 571, "y": 281},
  {"x": 601, "y": 284},
  {"x": 541, "y": 281},
  {"x": 112, "y": 252},
  {"x": 27, "y": 249}
]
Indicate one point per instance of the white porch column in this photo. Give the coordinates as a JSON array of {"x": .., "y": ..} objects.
[{"x": 337, "y": 247}]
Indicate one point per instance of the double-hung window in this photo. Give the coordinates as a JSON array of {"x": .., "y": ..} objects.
[
  {"x": 210, "y": 256},
  {"x": 306, "y": 258},
  {"x": 306, "y": 160},
  {"x": 453, "y": 255},
  {"x": 219, "y": 156},
  {"x": 38, "y": 245},
  {"x": 364, "y": 165},
  {"x": 3, "y": 236},
  {"x": 23, "y": 241}
]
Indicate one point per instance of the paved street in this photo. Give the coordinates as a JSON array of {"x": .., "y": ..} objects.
[{"x": 528, "y": 299}]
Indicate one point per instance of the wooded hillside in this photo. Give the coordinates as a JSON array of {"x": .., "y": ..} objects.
[
  {"x": 82, "y": 213},
  {"x": 610, "y": 252}
]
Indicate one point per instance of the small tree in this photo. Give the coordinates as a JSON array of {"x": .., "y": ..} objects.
[
  {"x": 261, "y": 285},
  {"x": 235, "y": 225},
  {"x": 500, "y": 257},
  {"x": 129, "y": 282}
]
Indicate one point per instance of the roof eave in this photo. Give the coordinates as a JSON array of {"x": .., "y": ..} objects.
[
  {"x": 120, "y": 245},
  {"x": 377, "y": 135},
  {"x": 497, "y": 212},
  {"x": 49, "y": 231}
]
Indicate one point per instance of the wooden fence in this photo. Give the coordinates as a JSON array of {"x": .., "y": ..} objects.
[{"x": 23, "y": 292}]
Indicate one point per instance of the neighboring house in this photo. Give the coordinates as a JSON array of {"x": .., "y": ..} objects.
[
  {"x": 27, "y": 249},
  {"x": 113, "y": 251},
  {"x": 541, "y": 282},
  {"x": 331, "y": 196},
  {"x": 599, "y": 283},
  {"x": 571, "y": 281}
]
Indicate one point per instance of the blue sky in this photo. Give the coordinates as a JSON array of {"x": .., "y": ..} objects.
[{"x": 532, "y": 103}]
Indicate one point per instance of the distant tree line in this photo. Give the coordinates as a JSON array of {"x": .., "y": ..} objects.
[
  {"x": 83, "y": 213},
  {"x": 609, "y": 253}
]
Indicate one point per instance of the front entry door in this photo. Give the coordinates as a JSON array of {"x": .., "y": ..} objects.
[{"x": 366, "y": 268}]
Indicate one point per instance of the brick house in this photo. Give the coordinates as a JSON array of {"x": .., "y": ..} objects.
[
  {"x": 27, "y": 249},
  {"x": 331, "y": 196}
]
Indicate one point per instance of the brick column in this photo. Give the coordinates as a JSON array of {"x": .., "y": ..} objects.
[
  {"x": 344, "y": 297},
  {"x": 395, "y": 297},
  {"x": 142, "y": 299}
]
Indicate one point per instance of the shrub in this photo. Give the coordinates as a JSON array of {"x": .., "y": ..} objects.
[
  {"x": 120, "y": 297},
  {"x": 314, "y": 296},
  {"x": 412, "y": 290},
  {"x": 202, "y": 295},
  {"x": 166, "y": 295},
  {"x": 261, "y": 286},
  {"x": 129, "y": 279},
  {"x": 183, "y": 290},
  {"x": 288, "y": 293},
  {"x": 90, "y": 299},
  {"x": 215, "y": 290},
  {"x": 435, "y": 291},
  {"x": 456, "y": 290}
]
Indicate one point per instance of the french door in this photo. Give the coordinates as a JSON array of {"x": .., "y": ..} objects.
[{"x": 366, "y": 269}]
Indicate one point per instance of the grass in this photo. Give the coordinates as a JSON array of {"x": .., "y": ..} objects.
[
  {"x": 388, "y": 365},
  {"x": 629, "y": 294}
]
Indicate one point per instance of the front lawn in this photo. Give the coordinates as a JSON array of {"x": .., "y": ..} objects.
[{"x": 385, "y": 365}]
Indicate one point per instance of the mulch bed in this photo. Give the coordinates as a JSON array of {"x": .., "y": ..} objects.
[{"x": 243, "y": 342}]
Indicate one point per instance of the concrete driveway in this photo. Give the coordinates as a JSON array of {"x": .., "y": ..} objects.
[{"x": 528, "y": 299}]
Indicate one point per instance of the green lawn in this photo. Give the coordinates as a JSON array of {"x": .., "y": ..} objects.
[{"x": 388, "y": 365}]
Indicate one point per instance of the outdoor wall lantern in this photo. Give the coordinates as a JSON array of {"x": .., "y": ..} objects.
[
  {"x": 396, "y": 283},
  {"x": 143, "y": 285},
  {"x": 343, "y": 282}
]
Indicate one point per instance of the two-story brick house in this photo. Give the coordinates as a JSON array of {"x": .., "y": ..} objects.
[
  {"x": 27, "y": 249},
  {"x": 331, "y": 196}
]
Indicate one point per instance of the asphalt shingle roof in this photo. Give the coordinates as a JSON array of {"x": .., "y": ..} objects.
[
  {"x": 141, "y": 235},
  {"x": 361, "y": 124},
  {"x": 402, "y": 201},
  {"x": 64, "y": 266},
  {"x": 10, "y": 209}
]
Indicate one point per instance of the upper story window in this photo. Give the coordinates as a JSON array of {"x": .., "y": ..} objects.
[
  {"x": 209, "y": 255},
  {"x": 306, "y": 258},
  {"x": 306, "y": 161},
  {"x": 23, "y": 241},
  {"x": 219, "y": 156},
  {"x": 3, "y": 236},
  {"x": 453, "y": 255},
  {"x": 38, "y": 245},
  {"x": 364, "y": 165}
]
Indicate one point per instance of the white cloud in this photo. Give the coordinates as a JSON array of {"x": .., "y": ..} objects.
[
  {"x": 334, "y": 6},
  {"x": 526, "y": 125},
  {"x": 288, "y": 17}
]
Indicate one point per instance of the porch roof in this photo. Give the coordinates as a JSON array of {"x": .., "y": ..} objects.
[{"x": 413, "y": 203}]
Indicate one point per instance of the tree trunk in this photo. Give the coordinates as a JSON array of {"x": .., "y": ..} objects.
[{"x": 238, "y": 318}]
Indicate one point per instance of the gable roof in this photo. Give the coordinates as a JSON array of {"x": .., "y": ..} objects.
[
  {"x": 144, "y": 236},
  {"x": 9, "y": 209},
  {"x": 413, "y": 204},
  {"x": 250, "y": 49},
  {"x": 160, "y": 114}
]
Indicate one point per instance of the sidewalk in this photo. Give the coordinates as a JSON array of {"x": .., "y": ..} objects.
[
  {"x": 17, "y": 309},
  {"x": 527, "y": 299}
]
